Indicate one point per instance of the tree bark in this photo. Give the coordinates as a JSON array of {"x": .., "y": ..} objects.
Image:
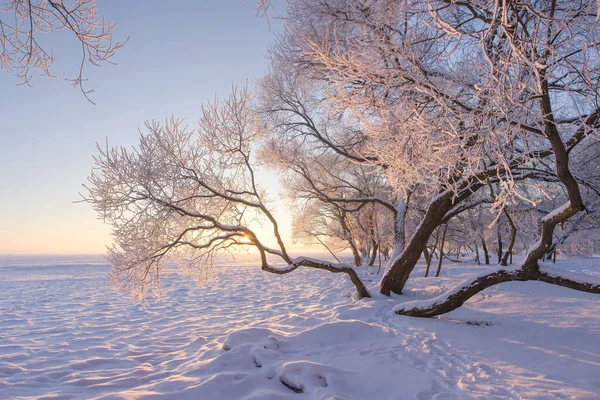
[
  {"x": 513, "y": 239},
  {"x": 426, "y": 255},
  {"x": 485, "y": 251},
  {"x": 499, "y": 238},
  {"x": 439, "y": 268},
  {"x": 374, "y": 250}
]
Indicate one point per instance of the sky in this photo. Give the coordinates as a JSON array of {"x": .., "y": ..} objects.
[{"x": 179, "y": 55}]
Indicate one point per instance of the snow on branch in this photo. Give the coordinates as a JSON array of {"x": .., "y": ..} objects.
[{"x": 462, "y": 292}]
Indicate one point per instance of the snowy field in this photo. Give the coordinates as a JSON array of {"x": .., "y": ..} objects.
[{"x": 251, "y": 335}]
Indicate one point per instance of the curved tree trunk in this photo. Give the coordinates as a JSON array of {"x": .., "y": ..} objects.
[{"x": 467, "y": 289}]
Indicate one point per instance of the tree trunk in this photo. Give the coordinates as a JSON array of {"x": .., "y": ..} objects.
[
  {"x": 499, "y": 242},
  {"x": 485, "y": 251},
  {"x": 401, "y": 267},
  {"x": 426, "y": 255},
  {"x": 427, "y": 268},
  {"x": 437, "y": 239},
  {"x": 374, "y": 250},
  {"x": 513, "y": 239},
  {"x": 477, "y": 253},
  {"x": 386, "y": 253},
  {"x": 457, "y": 298},
  {"x": 355, "y": 253},
  {"x": 439, "y": 268}
]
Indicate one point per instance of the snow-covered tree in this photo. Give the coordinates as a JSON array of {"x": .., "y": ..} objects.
[
  {"x": 455, "y": 104},
  {"x": 190, "y": 194},
  {"x": 455, "y": 95},
  {"x": 326, "y": 155}
]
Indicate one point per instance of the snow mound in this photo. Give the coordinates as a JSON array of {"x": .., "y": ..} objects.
[
  {"x": 304, "y": 376},
  {"x": 251, "y": 335}
]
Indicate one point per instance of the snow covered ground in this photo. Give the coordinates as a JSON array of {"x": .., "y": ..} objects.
[{"x": 252, "y": 335}]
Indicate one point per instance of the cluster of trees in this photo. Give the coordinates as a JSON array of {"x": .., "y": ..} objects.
[{"x": 401, "y": 129}]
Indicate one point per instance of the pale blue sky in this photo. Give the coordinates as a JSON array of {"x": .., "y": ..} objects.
[{"x": 179, "y": 55}]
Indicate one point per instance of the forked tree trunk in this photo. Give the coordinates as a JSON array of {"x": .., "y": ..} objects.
[
  {"x": 386, "y": 253},
  {"x": 437, "y": 239}
]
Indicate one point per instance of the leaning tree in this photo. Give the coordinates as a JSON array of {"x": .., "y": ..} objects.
[{"x": 183, "y": 190}]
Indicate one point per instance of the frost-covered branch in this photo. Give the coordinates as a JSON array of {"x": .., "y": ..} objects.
[{"x": 23, "y": 22}]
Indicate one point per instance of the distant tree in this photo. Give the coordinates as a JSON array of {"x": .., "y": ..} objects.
[{"x": 327, "y": 152}]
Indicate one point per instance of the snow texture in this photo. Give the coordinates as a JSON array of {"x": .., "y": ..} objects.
[{"x": 253, "y": 335}]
